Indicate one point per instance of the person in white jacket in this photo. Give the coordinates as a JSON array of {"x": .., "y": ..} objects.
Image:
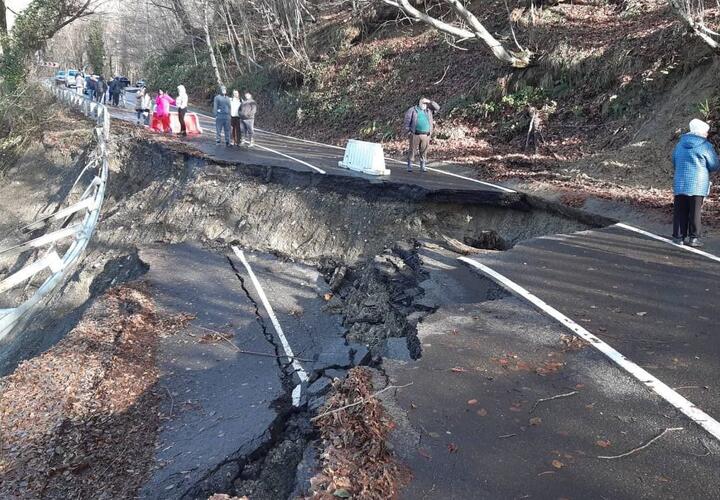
[
  {"x": 80, "y": 84},
  {"x": 182, "y": 103}
]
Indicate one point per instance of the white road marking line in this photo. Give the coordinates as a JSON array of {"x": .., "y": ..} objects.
[
  {"x": 689, "y": 409},
  {"x": 301, "y": 140},
  {"x": 291, "y": 158},
  {"x": 302, "y": 374},
  {"x": 496, "y": 186},
  {"x": 665, "y": 240}
]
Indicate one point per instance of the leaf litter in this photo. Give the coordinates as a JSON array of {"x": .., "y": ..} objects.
[
  {"x": 356, "y": 459},
  {"x": 80, "y": 420}
]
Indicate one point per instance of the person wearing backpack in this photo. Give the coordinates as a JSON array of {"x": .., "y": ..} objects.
[{"x": 419, "y": 124}]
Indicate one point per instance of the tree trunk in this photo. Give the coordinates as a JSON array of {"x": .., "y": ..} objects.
[
  {"x": 475, "y": 30},
  {"x": 3, "y": 26},
  {"x": 700, "y": 30},
  {"x": 208, "y": 41},
  {"x": 226, "y": 17},
  {"x": 3, "y": 18}
]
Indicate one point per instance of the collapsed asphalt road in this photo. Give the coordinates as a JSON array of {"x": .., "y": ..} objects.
[
  {"x": 277, "y": 150},
  {"x": 504, "y": 401}
]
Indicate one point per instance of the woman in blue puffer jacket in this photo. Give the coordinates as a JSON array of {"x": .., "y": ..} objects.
[{"x": 693, "y": 158}]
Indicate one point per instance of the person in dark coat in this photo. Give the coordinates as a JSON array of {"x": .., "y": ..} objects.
[
  {"x": 694, "y": 159},
  {"x": 419, "y": 124},
  {"x": 115, "y": 89},
  {"x": 91, "y": 88},
  {"x": 248, "y": 110},
  {"x": 100, "y": 89}
]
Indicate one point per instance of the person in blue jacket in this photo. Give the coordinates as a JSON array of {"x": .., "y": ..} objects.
[{"x": 694, "y": 158}]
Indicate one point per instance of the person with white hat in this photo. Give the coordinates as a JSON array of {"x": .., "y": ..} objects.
[{"x": 694, "y": 158}]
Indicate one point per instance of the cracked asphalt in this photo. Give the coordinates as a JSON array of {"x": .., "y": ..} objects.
[
  {"x": 469, "y": 426},
  {"x": 222, "y": 404}
]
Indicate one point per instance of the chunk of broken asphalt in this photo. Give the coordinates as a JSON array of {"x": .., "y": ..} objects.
[
  {"x": 319, "y": 387},
  {"x": 305, "y": 472},
  {"x": 360, "y": 354},
  {"x": 334, "y": 354},
  {"x": 333, "y": 373},
  {"x": 396, "y": 348},
  {"x": 316, "y": 403}
]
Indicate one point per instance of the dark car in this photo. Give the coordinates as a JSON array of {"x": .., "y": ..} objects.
[{"x": 124, "y": 81}]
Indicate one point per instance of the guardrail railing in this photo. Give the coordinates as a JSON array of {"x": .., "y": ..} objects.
[{"x": 72, "y": 221}]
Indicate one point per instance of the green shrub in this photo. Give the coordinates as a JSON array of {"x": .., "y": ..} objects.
[
  {"x": 177, "y": 67},
  {"x": 524, "y": 97}
]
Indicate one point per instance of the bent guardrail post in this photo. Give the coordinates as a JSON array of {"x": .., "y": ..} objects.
[{"x": 90, "y": 203}]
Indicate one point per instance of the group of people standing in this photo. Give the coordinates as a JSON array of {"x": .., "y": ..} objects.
[
  {"x": 145, "y": 106},
  {"x": 98, "y": 89},
  {"x": 234, "y": 118}
]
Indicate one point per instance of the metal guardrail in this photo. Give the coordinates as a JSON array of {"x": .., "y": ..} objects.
[{"x": 88, "y": 206}]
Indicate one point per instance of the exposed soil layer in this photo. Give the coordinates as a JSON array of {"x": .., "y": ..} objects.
[{"x": 156, "y": 194}]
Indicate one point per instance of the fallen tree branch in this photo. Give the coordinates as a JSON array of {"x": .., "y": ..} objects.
[
  {"x": 361, "y": 402},
  {"x": 640, "y": 448},
  {"x": 443, "y": 77},
  {"x": 252, "y": 353},
  {"x": 542, "y": 400}
]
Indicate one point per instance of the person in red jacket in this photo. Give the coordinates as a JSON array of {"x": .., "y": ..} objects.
[{"x": 162, "y": 110}]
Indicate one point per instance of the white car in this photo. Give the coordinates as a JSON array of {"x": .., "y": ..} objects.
[{"x": 70, "y": 77}]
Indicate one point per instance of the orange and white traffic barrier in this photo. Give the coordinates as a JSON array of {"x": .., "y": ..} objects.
[{"x": 192, "y": 123}]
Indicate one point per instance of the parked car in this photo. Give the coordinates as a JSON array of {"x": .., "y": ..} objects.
[
  {"x": 140, "y": 83},
  {"x": 60, "y": 78},
  {"x": 70, "y": 78},
  {"x": 125, "y": 81}
]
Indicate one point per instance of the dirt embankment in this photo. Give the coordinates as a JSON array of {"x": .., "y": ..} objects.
[
  {"x": 157, "y": 194},
  {"x": 617, "y": 81}
]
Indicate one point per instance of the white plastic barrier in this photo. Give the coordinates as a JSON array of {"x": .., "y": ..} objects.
[{"x": 365, "y": 157}]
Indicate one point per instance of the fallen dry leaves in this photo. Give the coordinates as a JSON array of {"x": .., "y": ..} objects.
[
  {"x": 356, "y": 459},
  {"x": 82, "y": 418}
]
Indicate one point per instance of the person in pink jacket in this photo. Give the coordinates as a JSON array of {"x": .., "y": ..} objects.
[{"x": 162, "y": 109}]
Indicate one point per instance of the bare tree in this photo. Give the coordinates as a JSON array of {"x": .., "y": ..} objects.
[
  {"x": 209, "y": 42},
  {"x": 470, "y": 28},
  {"x": 693, "y": 13}
]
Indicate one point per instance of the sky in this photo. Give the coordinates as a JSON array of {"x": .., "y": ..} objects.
[{"x": 17, "y": 6}]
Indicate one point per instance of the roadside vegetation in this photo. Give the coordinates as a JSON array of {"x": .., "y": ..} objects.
[
  {"x": 23, "y": 107},
  {"x": 608, "y": 89}
]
